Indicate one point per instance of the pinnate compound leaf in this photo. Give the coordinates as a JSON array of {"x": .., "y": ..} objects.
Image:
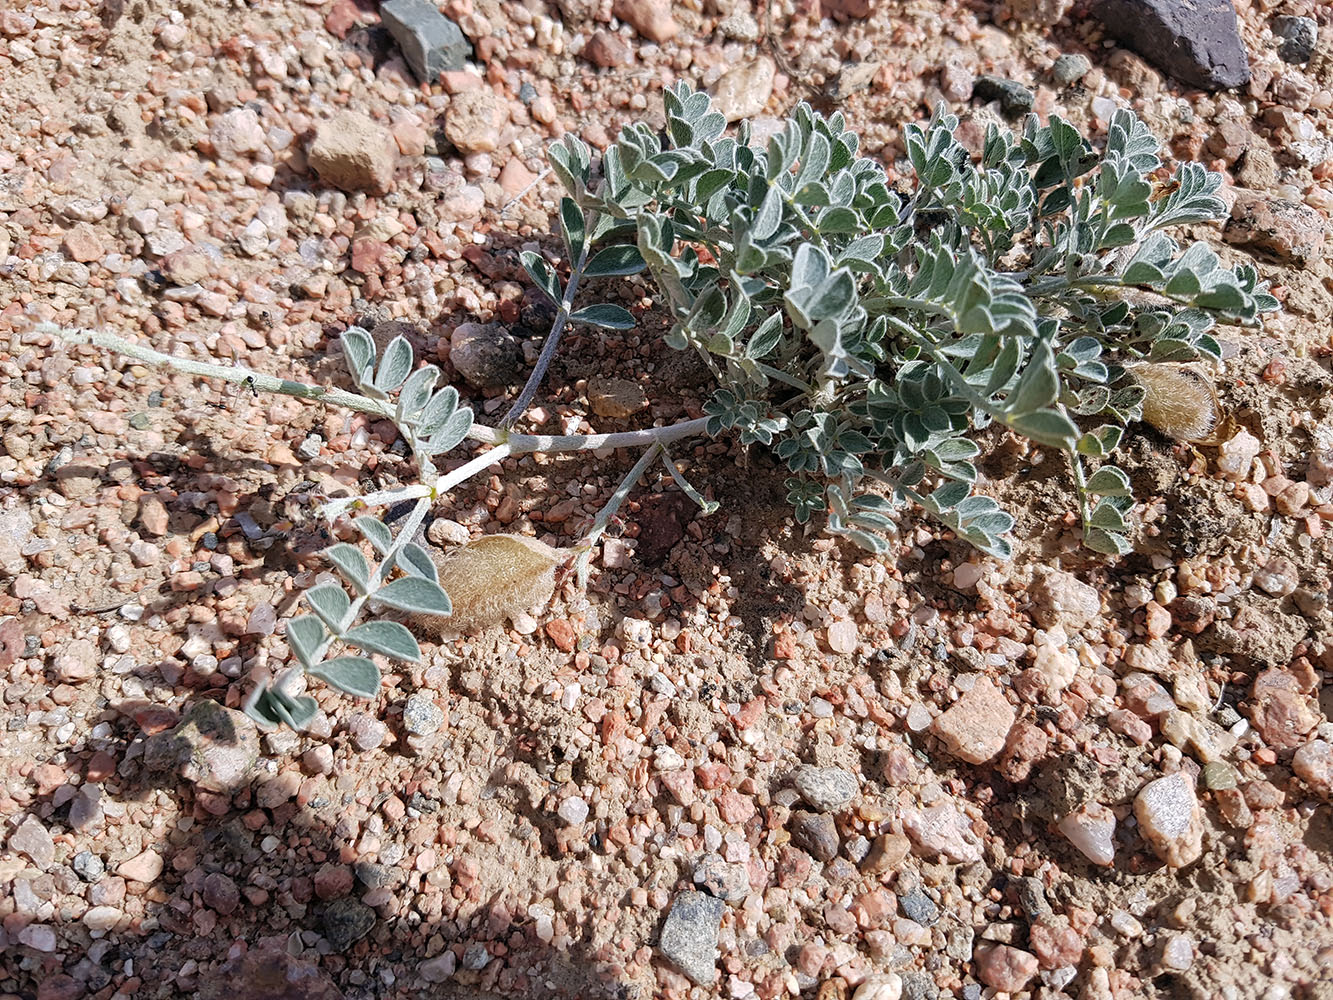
[
  {"x": 415, "y": 595},
  {"x": 354, "y": 675},
  {"x": 390, "y": 638}
]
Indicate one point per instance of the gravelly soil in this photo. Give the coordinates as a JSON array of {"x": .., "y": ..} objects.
[{"x": 1055, "y": 776}]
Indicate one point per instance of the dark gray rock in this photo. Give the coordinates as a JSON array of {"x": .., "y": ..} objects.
[
  {"x": 1198, "y": 43},
  {"x": 1298, "y": 34},
  {"x": 1032, "y": 897},
  {"x": 919, "y": 907},
  {"x": 374, "y": 876},
  {"x": 815, "y": 833},
  {"x": 1015, "y": 99},
  {"x": 486, "y": 354},
  {"x": 345, "y": 922},
  {"x": 1070, "y": 68},
  {"x": 689, "y": 936},
  {"x": 430, "y": 41}
]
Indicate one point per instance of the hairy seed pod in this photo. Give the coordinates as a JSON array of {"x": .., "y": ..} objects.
[
  {"x": 490, "y": 579},
  {"x": 1179, "y": 400}
]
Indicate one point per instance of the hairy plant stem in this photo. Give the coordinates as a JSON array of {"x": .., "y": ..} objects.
[
  {"x": 506, "y": 443},
  {"x": 227, "y": 373},
  {"x": 518, "y": 444},
  {"x": 547, "y": 354},
  {"x": 1081, "y": 486},
  {"x": 599, "y": 525}
]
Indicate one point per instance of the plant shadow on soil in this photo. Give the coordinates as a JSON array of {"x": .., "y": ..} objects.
[{"x": 230, "y": 843}]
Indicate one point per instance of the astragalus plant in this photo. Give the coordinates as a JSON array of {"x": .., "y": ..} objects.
[{"x": 863, "y": 334}]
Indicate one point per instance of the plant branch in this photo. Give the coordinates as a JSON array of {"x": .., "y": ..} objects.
[
  {"x": 547, "y": 354},
  {"x": 227, "y": 373},
  {"x": 609, "y": 511}
]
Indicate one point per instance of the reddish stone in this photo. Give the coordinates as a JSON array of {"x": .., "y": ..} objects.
[
  {"x": 562, "y": 634},
  {"x": 333, "y": 881},
  {"x": 368, "y": 255},
  {"x": 713, "y": 774},
  {"x": 11, "y": 642},
  {"x": 82, "y": 244},
  {"x": 1026, "y": 745},
  {"x": 101, "y": 766},
  {"x": 793, "y": 867},
  {"x": 1280, "y": 713},
  {"x": 1055, "y": 945},
  {"x": 61, "y": 987},
  {"x": 734, "y": 807},
  {"x": 1003, "y": 967},
  {"x": 153, "y": 719}
]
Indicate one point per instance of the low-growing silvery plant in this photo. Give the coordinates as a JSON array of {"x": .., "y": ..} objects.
[{"x": 863, "y": 334}]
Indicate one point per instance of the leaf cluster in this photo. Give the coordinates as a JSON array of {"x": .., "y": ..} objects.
[
  {"x": 866, "y": 334},
  {"x": 405, "y": 579}
]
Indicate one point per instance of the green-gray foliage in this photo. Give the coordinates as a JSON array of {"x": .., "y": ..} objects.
[
  {"x": 861, "y": 333},
  {"x": 864, "y": 334},
  {"x": 431, "y": 422}
]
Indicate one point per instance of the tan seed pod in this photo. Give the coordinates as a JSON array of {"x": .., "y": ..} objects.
[
  {"x": 490, "y": 579},
  {"x": 1179, "y": 400}
]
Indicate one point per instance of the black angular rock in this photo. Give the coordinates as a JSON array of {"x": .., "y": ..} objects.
[
  {"x": 1196, "y": 42},
  {"x": 1299, "y": 36}
]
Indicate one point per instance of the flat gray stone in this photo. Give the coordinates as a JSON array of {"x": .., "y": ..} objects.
[
  {"x": 825, "y": 789},
  {"x": 431, "y": 42},
  {"x": 689, "y": 936},
  {"x": 1198, "y": 43}
]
